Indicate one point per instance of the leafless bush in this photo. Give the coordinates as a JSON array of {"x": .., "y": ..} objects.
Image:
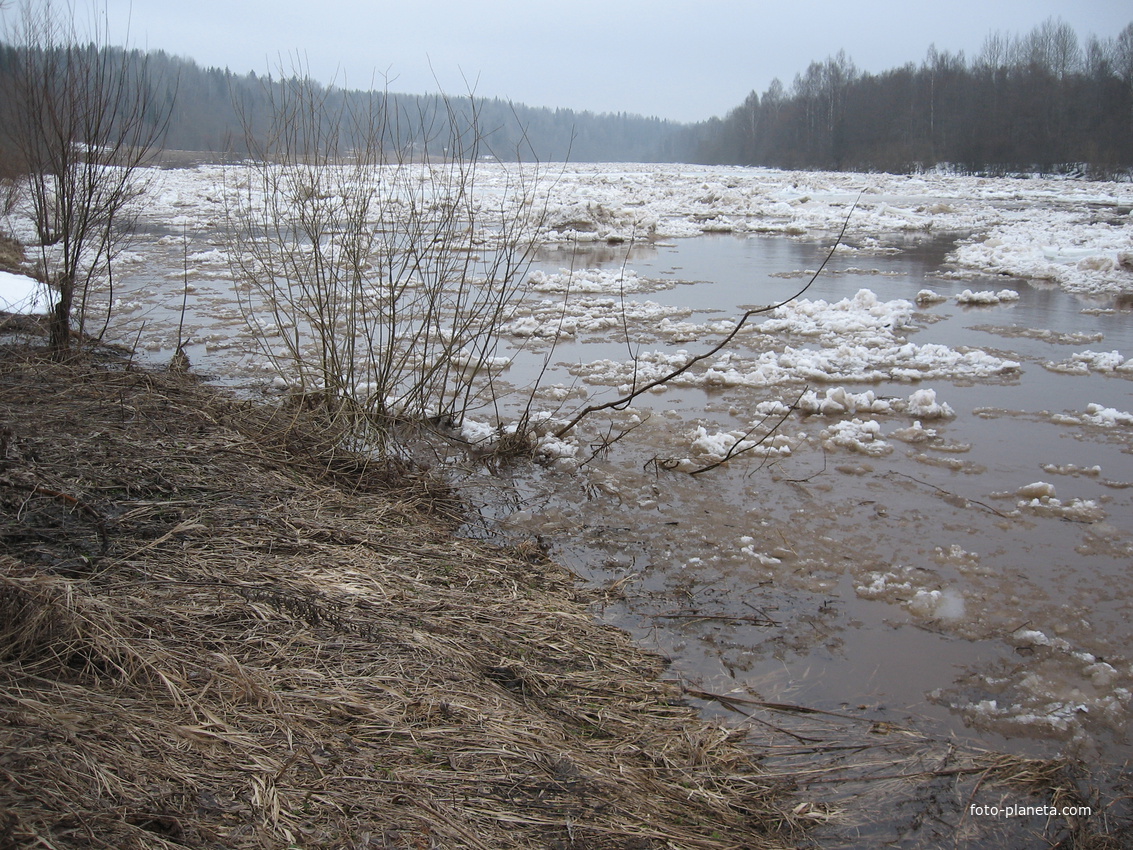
[
  {"x": 374, "y": 273},
  {"x": 82, "y": 121}
]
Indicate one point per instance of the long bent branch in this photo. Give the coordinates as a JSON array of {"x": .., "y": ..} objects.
[{"x": 644, "y": 388}]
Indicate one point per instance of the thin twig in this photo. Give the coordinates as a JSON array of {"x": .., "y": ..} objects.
[{"x": 950, "y": 493}]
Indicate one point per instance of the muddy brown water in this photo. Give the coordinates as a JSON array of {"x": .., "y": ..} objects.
[
  {"x": 808, "y": 580},
  {"x": 918, "y": 588},
  {"x": 832, "y": 605}
]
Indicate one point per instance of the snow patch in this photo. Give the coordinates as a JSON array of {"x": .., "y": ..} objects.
[{"x": 22, "y": 294}]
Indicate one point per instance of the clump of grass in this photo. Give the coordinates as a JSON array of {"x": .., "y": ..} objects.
[
  {"x": 12, "y": 257},
  {"x": 511, "y": 444}
]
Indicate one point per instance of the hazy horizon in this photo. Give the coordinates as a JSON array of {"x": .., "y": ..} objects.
[{"x": 681, "y": 61}]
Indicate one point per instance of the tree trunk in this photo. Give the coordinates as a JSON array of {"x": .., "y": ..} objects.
[{"x": 61, "y": 321}]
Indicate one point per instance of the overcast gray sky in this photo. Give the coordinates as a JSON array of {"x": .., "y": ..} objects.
[{"x": 674, "y": 59}]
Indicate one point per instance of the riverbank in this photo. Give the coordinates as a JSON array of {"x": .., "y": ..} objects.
[
  {"x": 220, "y": 631},
  {"x": 217, "y": 629}
]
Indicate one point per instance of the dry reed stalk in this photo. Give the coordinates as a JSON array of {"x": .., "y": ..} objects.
[{"x": 282, "y": 645}]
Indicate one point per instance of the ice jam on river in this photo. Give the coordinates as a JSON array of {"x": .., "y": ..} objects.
[{"x": 926, "y": 510}]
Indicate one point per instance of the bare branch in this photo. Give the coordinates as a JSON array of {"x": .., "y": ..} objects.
[
  {"x": 625, "y": 400},
  {"x": 83, "y": 117},
  {"x": 375, "y": 271}
]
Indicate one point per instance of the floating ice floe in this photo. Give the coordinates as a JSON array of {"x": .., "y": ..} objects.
[
  {"x": 1036, "y": 490},
  {"x": 927, "y": 296},
  {"x": 1076, "y": 510},
  {"x": 1081, "y": 242},
  {"x": 595, "y": 220},
  {"x": 747, "y": 546},
  {"x": 1059, "y": 690},
  {"x": 1072, "y": 469},
  {"x": 1039, "y": 498},
  {"x": 838, "y": 401},
  {"x": 1106, "y": 417},
  {"x": 856, "y": 435},
  {"x": 1064, "y": 244},
  {"x": 901, "y": 585},
  {"x": 593, "y": 281},
  {"x": 1085, "y": 362},
  {"x": 970, "y": 298},
  {"x": 915, "y": 433},
  {"x": 957, "y": 556},
  {"x": 862, "y": 315},
  {"x": 553, "y": 448},
  {"x": 1095, "y": 414},
  {"x": 842, "y": 363},
  {"x": 546, "y": 319},
  {"x": 717, "y": 445},
  {"x": 947, "y": 604},
  {"x": 483, "y": 435},
  {"x": 859, "y": 338},
  {"x": 923, "y": 403}
]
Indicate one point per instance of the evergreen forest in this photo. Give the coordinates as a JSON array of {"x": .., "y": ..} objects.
[{"x": 216, "y": 110}]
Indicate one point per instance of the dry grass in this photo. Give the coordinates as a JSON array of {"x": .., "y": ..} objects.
[
  {"x": 218, "y": 631},
  {"x": 12, "y": 256}
]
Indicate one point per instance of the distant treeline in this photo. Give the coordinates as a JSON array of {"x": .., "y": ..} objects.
[
  {"x": 211, "y": 109},
  {"x": 1042, "y": 101}
]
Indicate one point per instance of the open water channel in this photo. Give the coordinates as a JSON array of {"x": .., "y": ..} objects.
[{"x": 935, "y": 579}]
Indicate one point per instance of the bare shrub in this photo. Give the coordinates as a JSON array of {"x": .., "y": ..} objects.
[
  {"x": 82, "y": 121},
  {"x": 373, "y": 272}
]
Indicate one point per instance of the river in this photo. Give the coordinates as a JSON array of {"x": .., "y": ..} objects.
[{"x": 936, "y": 531}]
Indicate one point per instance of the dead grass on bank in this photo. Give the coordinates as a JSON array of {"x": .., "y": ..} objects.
[
  {"x": 218, "y": 631},
  {"x": 12, "y": 256}
]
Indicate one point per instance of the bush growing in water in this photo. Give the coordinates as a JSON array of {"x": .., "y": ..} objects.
[{"x": 372, "y": 271}]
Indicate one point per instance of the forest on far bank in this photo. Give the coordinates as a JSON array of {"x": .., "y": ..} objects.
[
  {"x": 1044, "y": 101},
  {"x": 219, "y": 111}
]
